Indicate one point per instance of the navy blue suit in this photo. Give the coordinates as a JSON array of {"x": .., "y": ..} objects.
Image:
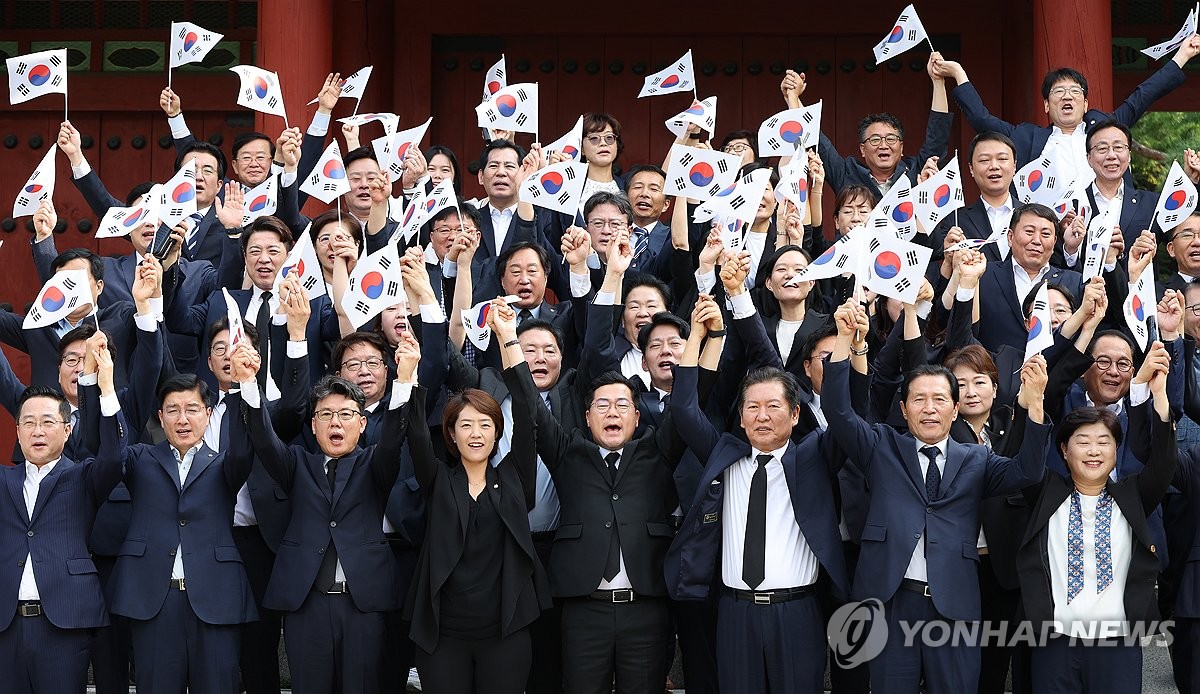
[
  {"x": 844, "y": 171},
  {"x": 41, "y": 344},
  {"x": 35, "y": 656},
  {"x": 1003, "y": 321}
]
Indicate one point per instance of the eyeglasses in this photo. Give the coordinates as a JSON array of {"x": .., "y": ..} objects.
[
  {"x": 603, "y": 406},
  {"x": 189, "y": 410},
  {"x": 1123, "y": 365},
  {"x": 614, "y": 224},
  {"x": 875, "y": 140},
  {"x": 346, "y": 415},
  {"x": 1184, "y": 236},
  {"x": 597, "y": 139},
  {"x": 1194, "y": 308},
  {"x": 45, "y": 424},
  {"x": 448, "y": 230},
  {"x": 71, "y": 361},
  {"x": 261, "y": 159},
  {"x": 219, "y": 349},
  {"x": 1060, "y": 92},
  {"x": 1117, "y": 149},
  {"x": 373, "y": 364},
  {"x": 735, "y": 148},
  {"x": 1060, "y": 310}
]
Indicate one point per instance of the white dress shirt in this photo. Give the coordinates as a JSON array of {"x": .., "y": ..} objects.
[
  {"x": 917, "y": 569},
  {"x": 1069, "y": 152},
  {"x": 790, "y": 562},
  {"x": 621, "y": 580},
  {"x": 1091, "y": 614},
  {"x": 251, "y": 317},
  {"x": 501, "y": 221},
  {"x": 185, "y": 466},
  {"x": 999, "y": 217},
  {"x": 34, "y": 475},
  {"x": 1024, "y": 282}
]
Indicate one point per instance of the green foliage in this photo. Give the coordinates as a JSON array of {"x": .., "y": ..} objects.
[{"x": 1169, "y": 132}]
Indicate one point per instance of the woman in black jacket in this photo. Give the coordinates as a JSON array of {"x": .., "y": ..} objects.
[{"x": 479, "y": 583}]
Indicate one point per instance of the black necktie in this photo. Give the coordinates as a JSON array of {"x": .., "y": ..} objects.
[
  {"x": 263, "y": 324},
  {"x": 524, "y": 315},
  {"x": 664, "y": 401},
  {"x": 754, "y": 549},
  {"x": 933, "y": 476},
  {"x": 613, "y": 565},
  {"x": 327, "y": 574}
]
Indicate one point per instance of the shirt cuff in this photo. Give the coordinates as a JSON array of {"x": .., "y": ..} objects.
[
  {"x": 250, "y": 394},
  {"x": 1138, "y": 393},
  {"x": 1070, "y": 259},
  {"x": 605, "y": 299},
  {"x": 156, "y": 307},
  {"x": 287, "y": 178},
  {"x": 109, "y": 405},
  {"x": 295, "y": 350},
  {"x": 706, "y": 282},
  {"x": 449, "y": 268},
  {"x": 278, "y": 319},
  {"x": 1109, "y": 267},
  {"x": 147, "y": 323},
  {"x": 432, "y": 314},
  {"x": 319, "y": 125},
  {"x": 924, "y": 308},
  {"x": 742, "y": 304},
  {"x": 179, "y": 129},
  {"x": 580, "y": 285},
  {"x": 400, "y": 394},
  {"x": 78, "y": 172},
  {"x": 964, "y": 294},
  {"x": 88, "y": 379}
]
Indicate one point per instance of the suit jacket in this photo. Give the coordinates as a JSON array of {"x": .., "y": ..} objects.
[
  {"x": 1003, "y": 321},
  {"x": 1136, "y": 496},
  {"x": 351, "y": 516},
  {"x": 523, "y": 591},
  {"x": 55, "y": 538},
  {"x": 975, "y": 224},
  {"x": 844, "y": 171},
  {"x": 641, "y": 499},
  {"x": 1137, "y": 215},
  {"x": 196, "y": 513},
  {"x": 1031, "y": 139},
  {"x": 1187, "y": 479},
  {"x": 483, "y": 265},
  {"x": 810, "y": 467},
  {"x": 41, "y": 344},
  {"x": 900, "y": 513},
  {"x": 655, "y": 260}
]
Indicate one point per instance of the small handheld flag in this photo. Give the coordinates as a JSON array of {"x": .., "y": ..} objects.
[
  {"x": 514, "y": 107},
  {"x": 1040, "y": 336},
  {"x": 66, "y": 291},
  {"x": 353, "y": 87},
  {"x": 302, "y": 262},
  {"x": 177, "y": 200},
  {"x": 699, "y": 173},
  {"x": 702, "y": 113},
  {"x": 897, "y": 207},
  {"x": 121, "y": 221},
  {"x": 1157, "y": 51},
  {"x": 328, "y": 178},
  {"x": 189, "y": 44},
  {"x": 907, "y": 32},
  {"x": 894, "y": 267},
  {"x": 390, "y": 120},
  {"x": 793, "y": 184},
  {"x": 1177, "y": 200},
  {"x": 1095, "y": 248},
  {"x": 1140, "y": 306},
  {"x": 938, "y": 195},
  {"x": 260, "y": 91},
  {"x": 677, "y": 77},
  {"x": 836, "y": 260},
  {"x": 790, "y": 131},
  {"x": 557, "y": 187},
  {"x": 422, "y": 208},
  {"x": 1042, "y": 181},
  {"x": 391, "y": 149},
  {"x": 570, "y": 144},
  {"x": 261, "y": 200},
  {"x": 374, "y": 285},
  {"x": 233, "y": 314},
  {"x": 739, "y": 200},
  {"x": 39, "y": 187},
  {"x": 37, "y": 74}
]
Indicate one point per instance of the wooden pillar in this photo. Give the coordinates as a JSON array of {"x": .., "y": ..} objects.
[
  {"x": 1075, "y": 34},
  {"x": 295, "y": 39}
]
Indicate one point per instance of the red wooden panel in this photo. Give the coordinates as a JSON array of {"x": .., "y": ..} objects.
[
  {"x": 851, "y": 98},
  {"x": 808, "y": 48},
  {"x": 638, "y": 130},
  {"x": 760, "y": 97}
]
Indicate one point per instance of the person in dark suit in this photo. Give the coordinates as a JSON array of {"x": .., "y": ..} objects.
[
  {"x": 992, "y": 163},
  {"x": 919, "y": 552},
  {"x": 499, "y": 166},
  {"x": 1184, "y": 247},
  {"x": 179, "y": 577},
  {"x": 479, "y": 582},
  {"x": 881, "y": 141},
  {"x": 1086, "y": 562},
  {"x": 617, "y": 494},
  {"x": 770, "y": 626},
  {"x": 1064, "y": 94},
  {"x": 334, "y": 574},
  {"x": 50, "y": 593},
  {"x": 650, "y": 237},
  {"x": 1004, "y": 286}
]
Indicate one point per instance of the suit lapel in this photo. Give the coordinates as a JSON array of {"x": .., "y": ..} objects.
[
  {"x": 981, "y": 224},
  {"x": 16, "y": 483},
  {"x": 956, "y": 454},
  {"x": 203, "y": 458},
  {"x": 487, "y": 231},
  {"x": 166, "y": 459},
  {"x": 316, "y": 468},
  {"x": 908, "y": 451},
  {"x": 1008, "y": 287}
]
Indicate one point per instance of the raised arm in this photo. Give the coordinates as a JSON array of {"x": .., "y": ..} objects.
[
  {"x": 552, "y": 438},
  {"x": 1162, "y": 463},
  {"x": 113, "y": 452},
  {"x": 855, "y": 436},
  {"x": 686, "y": 415},
  {"x": 980, "y": 118},
  {"x": 385, "y": 458},
  {"x": 1008, "y": 475},
  {"x": 256, "y": 432}
]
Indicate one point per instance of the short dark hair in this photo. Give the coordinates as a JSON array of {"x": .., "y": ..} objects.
[
  {"x": 1037, "y": 210},
  {"x": 95, "y": 262},
  {"x": 1104, "y": 125},
  {"x": 358, "y": 153},
  {"x": 269, "y": 225},
  {"x": 136, "y": 192},
  {"x": 1112, "y": 333},
  {"x": 755, "y": 166},
  {"x": 606, "y": 198},
  {"x": 595, "y": 122},
  {"x": 851, "y": 192},
  {"x": 825, "y": 331},
  {"x": 1175, "y": 231},
  {"x": 507, "y": 254},
  {"x": 222, "y": 323},
  {"x": 206, "y": 148},
  {"x": 35, "y": 391},
  {"x": 641, "y": 168},
  {"x": 464, "y": 209},
  {"x": 1081, "y": 417},
  {"x": 494, "y": 145},
  {"x": 1063, "y": 73},
  {"x": 975, "y": 358},
  {"x": 361, "y": 337},
  {"x": 335, "y": 217},
  {"x": 766, "y": 374},
  {"x": 633, "y": 280},
  {"x": 747, "y": 135},
  {"x": 885, "y": 118},
  {"x": 183, "y": 383},
  {"x": 609, "y": 378},
  {"x": 246, "y": 138},
  {"x": 335, "y": 385},
  {"x": 929, "y": 370},
  {"x": 990, "y": 136},
  {"x": 485, "y": 404},
  {"x": 541, "y": 324},
  {"x": 80, "y": 333},
  {"x": 662, "y": 318},
  {"x": 1027, "y": 304},
  {"x": 449, "y": 154}
]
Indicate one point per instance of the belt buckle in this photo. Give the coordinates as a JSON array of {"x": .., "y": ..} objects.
[
  {"x": 927, "y": 593},
  {"x": 29, "y": 610},
  {"x": 179, "y": 583},
  {"x": 622, "y": 595},
  {"x": 762, "y": 598},
  {"x": 338, "y": 588}
]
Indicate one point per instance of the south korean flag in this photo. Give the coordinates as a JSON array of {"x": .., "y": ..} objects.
[
  {"x": 374, "y": 285},
  {"x": 835, "y": 261},
  {"x": 514, "y": 107},
  {"x": 677, "y": 77},
  {"x": 328, "y": 178},
  {"x": 190, "y": 43},
  {"x": 61, "y": 296},
  {"x": 790, "y": 131},
  {"x": 898, "y": 209},
  {"x": 39, "y": 187},
  {"x": 738, "y": 201},
  {"x": 699, "y": 173},
  {"x": 37, "y": 74},
  {"x": 557, "y": 187},
  {"x": 894, "y": 267},
  {"x": 302, "y": 263},
  {"x": 1177, "y": 200}
]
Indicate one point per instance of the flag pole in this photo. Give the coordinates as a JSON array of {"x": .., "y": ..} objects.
[{"x": 168, "y": 75}]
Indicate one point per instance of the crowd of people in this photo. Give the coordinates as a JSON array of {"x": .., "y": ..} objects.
[{"x": 549, "y": 513}]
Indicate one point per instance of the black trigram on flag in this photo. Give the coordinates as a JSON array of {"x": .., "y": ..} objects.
[
  {"x": 841, "y": 261},
  {"x": 348, "y": 89},
  {"x": 535, "y": 191},
  {"x": 912, "y": 34},
  {"x": 385, "y": 262},
  {"x": 564, "y": 198},
  {"x": 570, "y": 174},
  {"x": 686, "y": 159},
  {"x": 500, "y": 73},
  {"x": 951, "y": 174},
  {"x": 56, "y": 80},
  {"x": 773, "y": 122},
  {"x": 491, "y": 115},
  {"x": 23, "y": 201},
  {"x": 249, "y": 93},
  {"x": 880, "y": 223},
  {"x": 272, "y": 102},
  {"x": 1039, "y": 306},
  {"x": 393, "y": 288},
  {"x": 24, "y": 90},
  {"x": 74, "y": 300},
  {"x": 1177, "y": 183},
  {"x": 521, "y": 119},
  {"x": 716, "y": 188},
  {"x": 874, "y": 245},
  {"x": 680, "y": 183},
  {"x": 807, "y": 117},
  {"x": 681, "y": 67},
  {"x": 314, "y": 179},
  {"x": 722, "y": 166},
  {"x": 903, "y": 18},
  {"x": 1170, "y": 219},
  {"x": 1140, "y": 329},
  {"x": 22, "y": 67},
  {"x": 35, "y": 314},
  {"x": 923, "y": 197},
  {"x": 361, "y": 307},
  {"x": 902, "y": 284},
  {"x": 182, "y": 32},
  {"x": 903, "y": 193},
  {"x": 309, "y": 283},
  {"x": 737, "y": 202},
  {"x": 1050, "y": 182},
  {"x": 522, "y": 95},
  {"x": 773, "y": 143},
  {"x": 911, "y": 257},
  {"x": 651, "y": 90},
  {"x": 396, "y": 168},
  {"x": 329, "y": 187}
]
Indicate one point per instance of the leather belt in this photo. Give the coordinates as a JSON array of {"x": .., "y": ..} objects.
[
  {"x": 618, "y": 595},
  {"x": 179, "y": 583},
  {"x": 30, "y": 608},
  {"x": 916, "y": 587},
  {"x": 771, "y": 597}
]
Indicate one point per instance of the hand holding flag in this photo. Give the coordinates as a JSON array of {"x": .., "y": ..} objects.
[
  {"x": 260, "y": 91},
  {"x": 65, "y": 292},
  {"x": 1041, "y": 335},
  {"x": 677, "y": 77},
  {"x": 701, "y": 113},
  {"x": 907, "y": 32},
  {"x": 938, "y": 195},
  {"x": 1177, "y": 200}
]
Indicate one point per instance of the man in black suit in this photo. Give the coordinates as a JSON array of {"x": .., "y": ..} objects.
[
  {"x": 649, "y": 236},
  {"x": 1184, "y": 247},
  {"x": 617, "y": 494},
  {"x": 991, "y": 161}
]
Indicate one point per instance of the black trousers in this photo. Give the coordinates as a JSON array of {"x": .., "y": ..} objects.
[
  {"x": 332, "y": 646},
  {"x": 545, "y": 635},
  {"x": 259, "y": 658},
  {"x": 771, "y": 648},
  {"x": 1064, "y": 666},
  {"x": 602, "y": 639},
  {"x": 498, "y": 665},
  {"x": 110, "y": 645},
  {"x": 398, "y": 648},
  {"x": 37, "y": 657},
  {"x": 1000, "y": 604},
  {"x": 176, "y": 650}
]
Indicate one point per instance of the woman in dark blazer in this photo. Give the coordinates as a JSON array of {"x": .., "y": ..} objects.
[
  {"x": 1087, "y": 564},
  {"x": 479, "y": 583}
]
